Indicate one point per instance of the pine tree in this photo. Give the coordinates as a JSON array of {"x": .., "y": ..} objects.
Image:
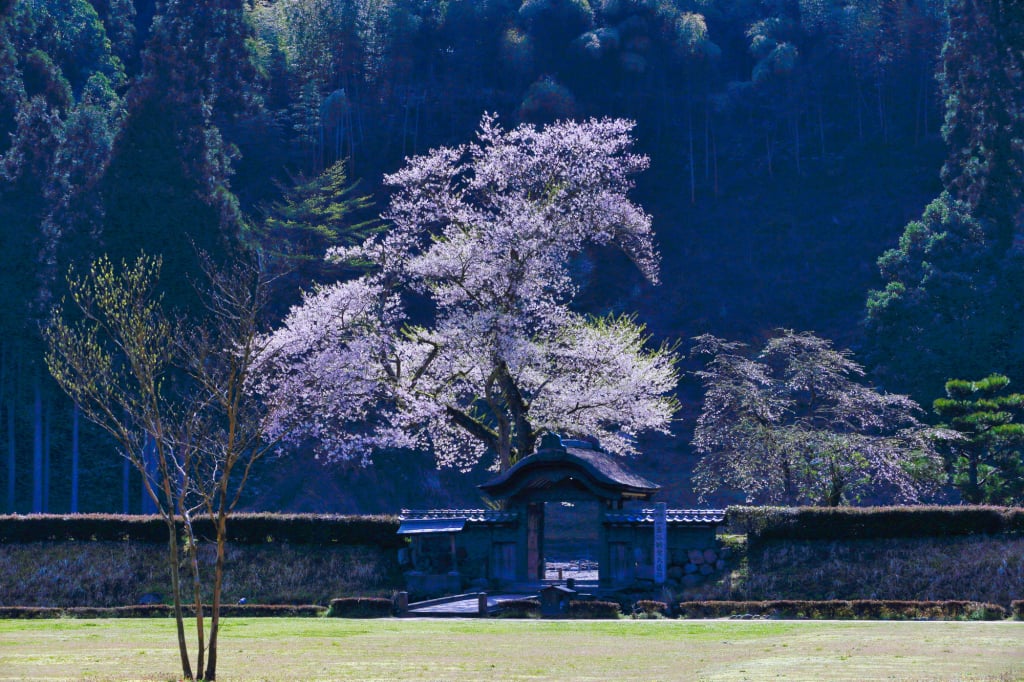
[
  {"x": 986, "y": 464},
  {"x": 311, "y": 217}
]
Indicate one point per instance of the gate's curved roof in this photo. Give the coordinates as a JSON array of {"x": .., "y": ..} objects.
[{"x": 557, "y": 461}]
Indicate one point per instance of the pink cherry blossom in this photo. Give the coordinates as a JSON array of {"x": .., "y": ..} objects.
[{"x": 486, "y": 233}]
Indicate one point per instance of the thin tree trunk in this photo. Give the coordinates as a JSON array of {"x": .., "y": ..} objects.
[
  {"x": 156, "y": 445},
  {"x": 860, "y": 112},
  {"x": 175, "y": 561},
  {"x": 218, "y": 581},
  {"x": 37, "y": 447},
  {"x": 148, "y": 505},
  {"x": 918, "y": 106},
  {"x": 796, "y": 143},
  {"x": 3, "y": 394},
  {"x": 707, "y": 139},
  {"x": 126, "y": 487},
  {"x": 197, "y": 593},
  {"x": 881, "y": 110},
  {"x": 11, "y": 388},
  {"x": 12, "y": 459},
  {"x": 416, "y": 127},
  {"x": 925, "y": 78},
  {"x": 405, "y": 124},
  {"x": 714, "y": 158},
  {"x": 321, "y": 146},
  {"x": 693, "y": 169},
  {"x": 47, "y": 464},
  {"x": 821, "y": 126},
  {"x": 74, "y": 458}
]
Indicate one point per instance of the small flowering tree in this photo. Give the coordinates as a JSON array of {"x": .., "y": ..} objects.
[
  {"x": 794, "y": 425},
  {"x": 482, "y": 244}
]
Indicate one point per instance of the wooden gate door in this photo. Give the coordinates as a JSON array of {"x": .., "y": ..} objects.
[
  {"x": 621, "y": 569},
  {"x": 535, "y": 541},
  {"x": 503, "y": 561}
]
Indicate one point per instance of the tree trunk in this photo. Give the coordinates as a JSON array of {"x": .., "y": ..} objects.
[
  {"x": 835, "y": 487},
  {"x": 788, "y": 491},
  {"x": 47, "y": 463},
  {"x": 860, "y": 112},
  {"x": 493, "y": 395},
  {"x": 74, "y": 458},
  {"x": 707, "y": 138},
  {"x": 925, "y": 79},
  {"x": 523, "y": 437},
  {"x": 882, "y": 123},
  {"x": 197, "y": 591},
  {"x": 37, "y": 447},
  {"x": 4, "y": 376},
  {"x": 167, "y": 511},
  {"x": 693, "y": 169},
  {"x": 175, "y": 561},
  {"x": 148, "y": 505},
  {"x": 821, "y": 126},
  {"x": 796, "y": 142},
  {"x": 126, "y": 486},
  {"x": 973, "y": 493},
  {"x": 714, "y": 159},
  {"x": 218, "y": 581},
  {"x": 12, "y": 460}
]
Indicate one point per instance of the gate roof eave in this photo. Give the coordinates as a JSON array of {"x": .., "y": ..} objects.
[{"x": 604, "y": 475}]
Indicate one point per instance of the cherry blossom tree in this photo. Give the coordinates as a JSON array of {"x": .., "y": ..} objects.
[
  {"x": 794, "y": 425},
  {"x": 482, "y": 243}
]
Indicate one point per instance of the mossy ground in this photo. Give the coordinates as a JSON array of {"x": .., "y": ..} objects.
[{"x": 414, "y": 649}]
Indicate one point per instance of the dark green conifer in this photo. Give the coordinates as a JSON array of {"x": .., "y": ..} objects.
[{"x": 986, "y": 465}]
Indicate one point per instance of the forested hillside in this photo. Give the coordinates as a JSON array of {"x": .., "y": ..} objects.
[{"x": 790, "y": 143}]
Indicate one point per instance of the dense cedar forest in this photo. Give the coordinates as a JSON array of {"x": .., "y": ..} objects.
[{"x": 851, "y": 168}]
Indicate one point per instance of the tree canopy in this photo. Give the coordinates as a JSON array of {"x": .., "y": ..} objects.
[
  {"x": 484, "y": 237},
  {"x": 986, "y": 463},
  {"x": 793, "y": 424}
]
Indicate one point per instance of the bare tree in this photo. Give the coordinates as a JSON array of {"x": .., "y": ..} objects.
[
  {"x": 110, "y": 349},
  {"x": 228, "y": 426},
  {"x": 179, "y": 389}
]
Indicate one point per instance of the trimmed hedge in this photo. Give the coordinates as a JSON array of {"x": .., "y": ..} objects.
[
  {"x": 862, "y": 523},
  {"x": 316, "y": 529},
  {"x": 592, "y": 608},
  {"x": 360, "y": 607},
  {"x": 161, "y": 611},
  {"x": 837, "y": 609},
  {"x": 1017, "y": 609},
  {"x": 135, "y": 611},
  {"x": 8, "y": 612},
  {"x": 647, "y": 608},
  {"x": 520, "y": 608},
  {"x": 269, "y": 610}
]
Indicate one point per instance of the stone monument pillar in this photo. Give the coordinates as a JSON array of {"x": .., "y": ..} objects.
[{"x": 660, "y": 543}]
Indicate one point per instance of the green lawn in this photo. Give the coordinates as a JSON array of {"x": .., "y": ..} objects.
[{"x": 421, "y": 649}]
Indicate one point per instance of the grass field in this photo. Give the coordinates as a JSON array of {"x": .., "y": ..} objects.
[{"x": 419, "y": 649}]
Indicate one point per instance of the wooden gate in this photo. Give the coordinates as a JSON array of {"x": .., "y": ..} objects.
[{"x": 535, "y": 541}]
